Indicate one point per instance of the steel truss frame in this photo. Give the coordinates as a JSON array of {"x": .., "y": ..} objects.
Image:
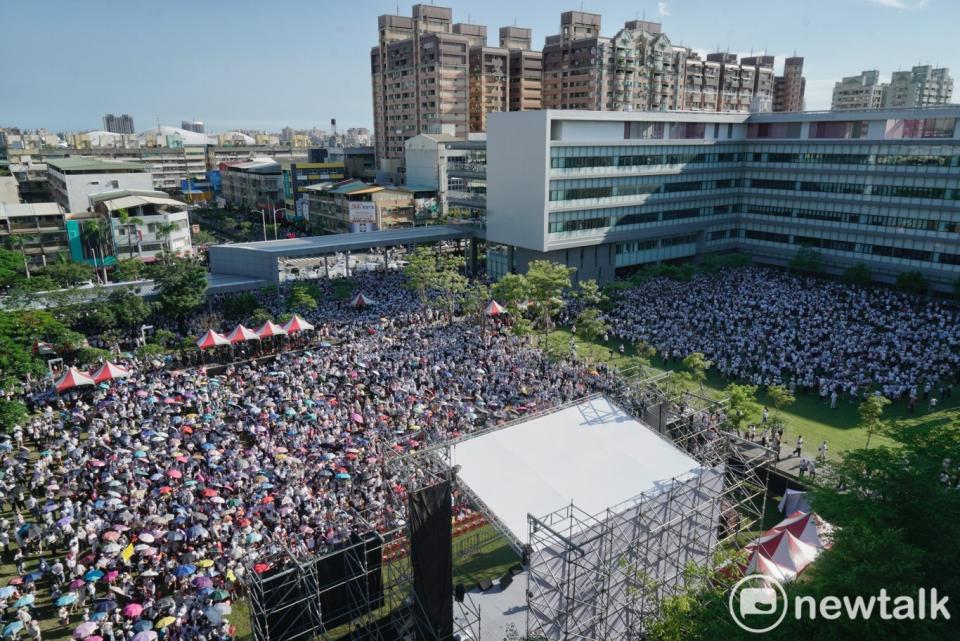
[{"x": 609, "y": 573}]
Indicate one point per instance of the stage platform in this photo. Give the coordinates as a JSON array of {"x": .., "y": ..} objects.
[{"x": 592, "y": 455}]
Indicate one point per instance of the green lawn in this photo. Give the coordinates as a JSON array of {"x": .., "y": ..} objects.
[{"x": 808, "y": 416}]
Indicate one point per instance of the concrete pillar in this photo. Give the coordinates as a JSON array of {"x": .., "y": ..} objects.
[{"x": 474, "y": 253}]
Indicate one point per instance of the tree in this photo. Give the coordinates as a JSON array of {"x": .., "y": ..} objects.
[
  {"x": 68, "y": 275},
  {"x": 127, "y": 222},
  {"x": 22, "y": 241},
  {"x": 697, "y": 366},
  {"x": 129, "y": 309},
  {"x": 589, "y": 293},
  {"x": 181, "y": 285},
  {"x": 12, "y": 414},
  {"x": 742, "y": 404},
  {"x": 590, "y": 324},
  {"x": 858, "y": 274},
  {"x": 781, "y": 397},
  {"x": 301, "y": 299},
  {"x": 806, "y": 261},
  {"x": 260, "y": 316},
  {"x": 474, "y": 301},
  {"x": 548, "y": 281},
  {"x": 893, "y": 500},
  {"x": 870, "y": 410},
  {"x": 912, "y": 283},
  {"x": 94, "y": 234},
  {"x": 512, "y": 290},
  {"x": 450, "y": 280},
  {"x": 420, "y": 271},
  {"x": 11, "y": 263},
  {"x": 203, "y": 237},
  {"x": 236, "y": 307},
  {"x": 163, "y": 231}
]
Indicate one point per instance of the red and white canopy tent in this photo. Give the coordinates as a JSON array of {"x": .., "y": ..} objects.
[
  {"x": 785, "y": 550},
  {"x": 494, "y": 308},
  {"x": 297, "y": 324},
  {"x": 241, "y": 334},
  {"x": 212, "y": 339},
  {"x": 360, "y": 301},
  {"x": 271, "y": 329},
  {"x": 73, "y": 378},
  {"x": 109, "y": 371}
]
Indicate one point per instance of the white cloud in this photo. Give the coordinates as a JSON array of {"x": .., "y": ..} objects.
[
  {"x": 907, "y": 5},
  {"x": 663, "y": 9}
]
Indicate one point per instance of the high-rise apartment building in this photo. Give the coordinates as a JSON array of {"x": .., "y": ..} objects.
[
  {"x": 195, "y": 126},
  {"x": 122, "y": 124},
  {"x": 639, "y": 69},
  {"x": 789, "y": 88},
  {"x": 525, "y": 69},
  {"x": 858, "y": 92},
  {"x": 430, "y": 74},
  {"x": 922, "y": 86}
]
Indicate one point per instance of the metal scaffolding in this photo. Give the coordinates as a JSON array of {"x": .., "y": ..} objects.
[{"x": 603, "y": 576}]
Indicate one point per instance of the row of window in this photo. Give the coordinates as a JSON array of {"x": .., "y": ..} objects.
[
  {"x": 890, "y": 191},
  {"x": 642, "y": 245},
  {"x": 830, "y": 244},
  {"x": 622, "y": 217},
  {"x": 562, "y": 159}
]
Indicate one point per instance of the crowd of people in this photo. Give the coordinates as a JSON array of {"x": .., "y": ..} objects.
[
  {"x": 773, "y": 328},
  {"x": 140, "y": 504}
]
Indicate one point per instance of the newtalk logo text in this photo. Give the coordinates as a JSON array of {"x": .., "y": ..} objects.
[{"x": 755, "y": 606}]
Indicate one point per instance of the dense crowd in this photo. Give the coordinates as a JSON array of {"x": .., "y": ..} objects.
[
  {"x": 152, "y": 496},
  {"x": 773, "y": 328}
]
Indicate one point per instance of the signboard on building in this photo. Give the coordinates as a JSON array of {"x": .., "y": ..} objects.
[
  {"x": 195, "y": 229},
  {"x": 426, "y": 207},
  {"x": 363, "y": 212},
  {"x": 303, "y": 209}
]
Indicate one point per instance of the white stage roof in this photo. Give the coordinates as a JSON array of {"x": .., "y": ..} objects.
[{"x": 592, "y": 454}]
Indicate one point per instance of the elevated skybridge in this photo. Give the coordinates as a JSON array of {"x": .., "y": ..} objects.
[{"x": 262, "y": 260}]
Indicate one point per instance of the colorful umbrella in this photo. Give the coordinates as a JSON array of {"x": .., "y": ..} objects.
[
  {"x": 164, "y": 622},
  {"x": 132, "y": 610},
  {"x": 67, "y": 599},
  {"x": 24, "y": 601},
  {"x": 84, "y": 630}
]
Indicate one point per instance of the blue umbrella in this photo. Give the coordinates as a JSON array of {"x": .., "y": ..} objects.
[
  {"x": 343, "y": 476},
  {"x": 106, "y": 605},
  {"x": 12, "y": 628},
  {"x": 7, "y": 591},
  {"x": 66, "y": 599},
  {"x": 139, "y": 454},
  {"x": 24, "y": 601},
  {"x": 93, "y": 575},
  {"x": 143, "y": 625},
  {"x": 99, "y": 616},
  {"x": 184, "y": 570},
  {"x": 36, "y": 575}
]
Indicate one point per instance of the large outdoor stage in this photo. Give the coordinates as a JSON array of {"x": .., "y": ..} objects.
[{"x": 592, "y": 455}]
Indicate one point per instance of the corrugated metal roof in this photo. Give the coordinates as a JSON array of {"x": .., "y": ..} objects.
[{"x": 92, "y": 164}]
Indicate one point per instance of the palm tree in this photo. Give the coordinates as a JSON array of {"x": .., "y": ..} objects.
[
  {"x": 94, "y": 233},
  {"x": 163, "y": 231},
  {"x": 23, "y": 240},
  {"x": 127, "y": 221}
]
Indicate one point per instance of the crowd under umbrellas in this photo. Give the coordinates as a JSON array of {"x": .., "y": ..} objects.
[
  {"x": 772, "y": 328},
  {"x": 154, "y": 492}
]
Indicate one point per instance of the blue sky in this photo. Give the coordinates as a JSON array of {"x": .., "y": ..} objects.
[{"x": 261, "y": 64}]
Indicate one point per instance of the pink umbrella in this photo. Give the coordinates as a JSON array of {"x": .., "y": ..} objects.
[
  {"x": 73, "y": 378},
  {"x": 111, "y": 576},
  {"x": 85, "y": 629},
  {"x": 109, "y": 371},
  {"x": 77, "y": 583},
  {"x": 212, "y": 339},
  {"x": 110, "y": 536},
  {"x": 271, "y": 329},
  {"x": 494, "y": 309},
  {"x": 174, "y": 474},
  {"x": 95, "y": 637},
  {"x": 132, "y": 610},
  {"x": 297, "y": 324},
  {"x": 356, "y": 418},
  {"x": 241, "y": 334}
]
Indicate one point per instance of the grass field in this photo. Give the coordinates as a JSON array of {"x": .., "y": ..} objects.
[{"x": 808, "y": 416}]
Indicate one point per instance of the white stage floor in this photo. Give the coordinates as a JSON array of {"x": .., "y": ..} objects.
[{"x": 592, "y": 454}]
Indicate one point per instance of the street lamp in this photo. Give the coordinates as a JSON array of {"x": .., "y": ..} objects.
[{"x": 143, "y": 333}]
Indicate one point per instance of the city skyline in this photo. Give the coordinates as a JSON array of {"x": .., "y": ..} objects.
[{"x": 220, "y": 77}]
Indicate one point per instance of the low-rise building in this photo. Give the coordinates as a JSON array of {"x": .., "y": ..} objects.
[
  {"x": 37, "y": 229},
  {"x": 352, "y": 205},
  {"x": 156, "y": 223},
  {"x": 73, "y": 180},
  {"x": 297, "y": 176},
  {"x": 360, "y": 163},
  {"x": 256, "y": 184}
]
